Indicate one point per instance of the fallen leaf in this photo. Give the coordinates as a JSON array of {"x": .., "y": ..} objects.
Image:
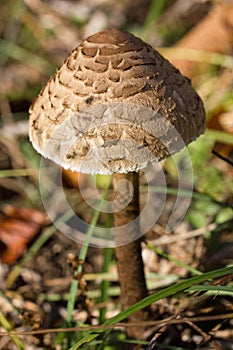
[{"x": 18, "y": 226}]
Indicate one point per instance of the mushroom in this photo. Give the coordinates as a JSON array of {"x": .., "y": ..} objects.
[{"x": 114, "y": 107}]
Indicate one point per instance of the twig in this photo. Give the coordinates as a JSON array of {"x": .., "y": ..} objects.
[
  {"x": 181, "y": 237},
  {"x": 222, "y": 157}
]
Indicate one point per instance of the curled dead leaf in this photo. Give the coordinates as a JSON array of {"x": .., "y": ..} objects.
[{"x": 18, "y": 226}]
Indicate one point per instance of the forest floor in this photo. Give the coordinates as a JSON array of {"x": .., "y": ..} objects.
[{"x": 189, "y": 270}]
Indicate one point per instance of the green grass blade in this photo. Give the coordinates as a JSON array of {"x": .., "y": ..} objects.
[
  {"x": 85, "y": 340},
  {"x": 20, "y": 54},
  {"x": 176, "y": 261},
  {"x": 179, "y": 287},
  {"x": 218, "y": 290},
  {"x": 154, "y": 12},
  {"x": 14, "y": 338},
  {"x": 82, "y": 256},
  {"x": 197, "y": 56},
  {"x": 220, "y": 136},
  {"x": 108, "y": 252},
  {"x": 17, "y": 172}
]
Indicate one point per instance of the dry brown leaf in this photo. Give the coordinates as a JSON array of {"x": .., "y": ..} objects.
[
  {"x": 18, "y": 227},
  {"x": 214, "y": 34}
]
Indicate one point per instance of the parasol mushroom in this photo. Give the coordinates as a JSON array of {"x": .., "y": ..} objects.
[{"x": 114, "y": 107}]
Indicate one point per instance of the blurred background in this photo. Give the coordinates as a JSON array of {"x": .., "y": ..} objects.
[{"x": 35, "y": 38}]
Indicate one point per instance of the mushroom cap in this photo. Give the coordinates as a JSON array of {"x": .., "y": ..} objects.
[{"x": 115, "y": 105}]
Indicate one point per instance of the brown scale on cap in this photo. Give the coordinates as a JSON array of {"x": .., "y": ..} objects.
[{"x": 111, "y": 87}]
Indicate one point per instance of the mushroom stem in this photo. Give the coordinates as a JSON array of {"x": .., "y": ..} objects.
[{"x": 128, "y": 256}]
